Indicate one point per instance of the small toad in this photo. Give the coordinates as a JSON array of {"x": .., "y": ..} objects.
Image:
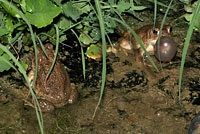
[
  {"x": 148, "y": 35},
  {"x": 56, "y": 91}
]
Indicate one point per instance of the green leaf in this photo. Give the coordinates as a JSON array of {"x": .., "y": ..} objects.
[
  {"x": 58, "y": 2},
  {"x": 26, "y": 8},
  {"x": 122, "y": 6},
  {"x": 24, "y": 65},
  {"x": 80, "y": 26},
  {"x": 188, "y": 17},
  {"x": 85, "y": 39},
  {"x": 110, "y": 25},
  {"x": 96, "y": 35},
  {"x": 10, "y": 26},
  {"x": 111, "y": 2},
  {"x": 3, "y": 31},
  {"x": 42, "y": 12},
  {"x": 26, "y": 48},
  {"x": 86, "y": 29},
  {"x": 6, "y": 56},
  {"x": 9, "y": 10},
  {"x": 63, "y": 38},
  {"x": 64, "y": 23},
  {"x": 83, "y": 6},
  {"x": 72, "y": 11},
  {"x": 188, "y": 8},
  {"x": 52, "y": 31},
  {"x": 197, "y": 22},
  {"x": 1, "y": 52},
  {"x": 93, "y": 51},
  {"x": 4, "y": 63},
  {"x": 17, "y": 1},
  {"x": 138, "y": 8}
]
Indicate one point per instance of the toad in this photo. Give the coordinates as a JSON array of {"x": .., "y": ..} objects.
[
  {"x": 148, "y": 35},
  {"x": 56, "y": 91}
]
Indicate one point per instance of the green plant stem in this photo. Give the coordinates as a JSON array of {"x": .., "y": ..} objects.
[
  {"x": 56, "y": 53},
  {"x": 155, "y": 12},
  {"x": 186, "y": 44},
  {"x": 102, "y": 28}
]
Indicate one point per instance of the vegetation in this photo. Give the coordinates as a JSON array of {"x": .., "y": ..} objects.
[
  {"x": 51, "y": 21},
  {"x": 80, "y": 16}
]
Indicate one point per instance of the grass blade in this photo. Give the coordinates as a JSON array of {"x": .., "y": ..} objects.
[
  {"x": 102, "y": 28},
  {"x": 56, "y": 53},
  {"x": 186, "y": 44}
]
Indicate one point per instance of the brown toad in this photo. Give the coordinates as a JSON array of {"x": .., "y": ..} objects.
[
  {"x": 56, "y": 90},
  {"x": 148, "y": 35}
]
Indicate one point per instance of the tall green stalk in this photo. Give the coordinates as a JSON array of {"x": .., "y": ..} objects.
[
  {"x": 186, "y": 44},
  {"x": 102, "y": 28}
]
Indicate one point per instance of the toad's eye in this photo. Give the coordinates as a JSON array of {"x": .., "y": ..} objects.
[
  {"x": 154, "y": 31},
  {"x": 170, "y": 29}
]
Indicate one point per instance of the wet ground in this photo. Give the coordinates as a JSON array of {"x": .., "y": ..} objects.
[{"x": 137, "y": 99}]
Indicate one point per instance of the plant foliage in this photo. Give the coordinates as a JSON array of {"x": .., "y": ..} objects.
[{"x": 80, "y": 15}]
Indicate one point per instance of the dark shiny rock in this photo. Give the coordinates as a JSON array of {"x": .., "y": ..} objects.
[{"x": 194, "y": 127}]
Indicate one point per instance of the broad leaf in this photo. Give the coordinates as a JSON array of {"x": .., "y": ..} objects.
[
  {"x": 85, "y": 39},
  {"x": 42, "y": 12},
  {"x": 64, "y": 23},
  {"x": 93, "y": 52},
  {"x": 122, "y": 6},
  {"x": 84, "y": 6},
  {"x": 96, "y": 35},
  {"x": 71, "y": 11}
]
